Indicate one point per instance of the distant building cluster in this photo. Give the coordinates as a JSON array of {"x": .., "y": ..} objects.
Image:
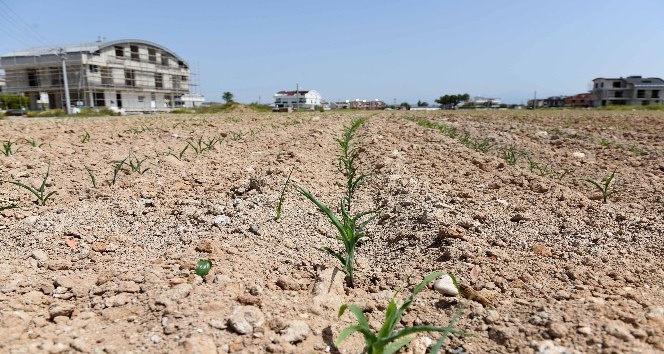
[
  {"x": 312, "y": 99},
  {"x": 629, "y": 91}
]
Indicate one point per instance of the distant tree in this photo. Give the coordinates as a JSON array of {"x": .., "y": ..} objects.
[
  {"x": 227, "y": 97},
  {"x": 452, "y": 100},
  {"x": 13, "y": 101},
  {"x": 405, "y": 105},
  {"x": 422, "y": 104}
]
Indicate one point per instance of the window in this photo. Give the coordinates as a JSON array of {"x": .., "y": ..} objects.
[
  {"x": 596, "y": 85},
  {"x": 158, "y": 80},
  {"x": 641, "y": 94},
  {"x": 141, "y": 99},
  {"x": 184, "y": 78},
  {"x": 93, "y": 68},
  {"x": 175, "y": 82},
  {"x": 134, "y": 52},
  {"x": 164, "y": 60},
  {"x": 616, "y": 84},
  {"x": 106, "y": 76},
  {"x": 119, "y": 51},
  {"x": 619, "y": 94},
  {"x": 33, "y": 78},
  {"x": 655, "y": 93},
  {"x": 602, "y": 85},
  {"x": 130, "y": 78},
  {"x": 152, "y": 55},
  {"x": 99, "y": 99}
]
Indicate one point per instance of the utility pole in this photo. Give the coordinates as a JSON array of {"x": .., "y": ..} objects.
[
  {"x": 535, "y": 100},
  {"x": 297, "y": 95},
  {"x": 63, "y": 56}
]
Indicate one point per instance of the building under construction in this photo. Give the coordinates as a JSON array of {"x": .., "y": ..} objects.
[{"x": 128, "y": 75}]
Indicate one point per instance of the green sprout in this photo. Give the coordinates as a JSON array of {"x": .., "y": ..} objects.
[
  {"x": 33, "y": 143},
  {"x": 604, "y": 188},
  {"x": 350, "y": 229},
  {"x": 85, "y": 137},
  {"x": 39, "y": 192},
  {"x": 347, "y": 162},
  {"x": 92, "y": 176},
  {"x": 388, "y": 339},
  {"x": 281, "y": 196},
  {"x": 510, "y": 155},
  {"x": 7, "y": 148}
]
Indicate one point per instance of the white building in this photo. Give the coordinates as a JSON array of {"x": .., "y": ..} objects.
[
  {"x": 298, "y": 99},
  {"x": 128, "y": 74},
  {"x": 191, "y": 100}
]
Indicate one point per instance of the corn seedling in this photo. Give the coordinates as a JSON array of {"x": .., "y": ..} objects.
[
  {"x": 85, "y": 138},
  {"x": 235, "y": 136},
  {"x": 180, "y": 154},
  {"x": 39, "y": 192},
  {"x": 142, "y": 129},
  {"x": 281, "y": 196},
  {"x": 601, "y": 141},
  {"x": 203, "y": 267},
  {"x": 510, "y": 155},
  {"x": 637, "y": 150},
  {"x": 135, "y": 164},
  {"x": 604, "y": 188},
  {"x": 351, "y": 231},
  {"x": 347, "y": 162},
  {"x": 33, "y": 143},
  {"x": 388, "y": 339},
  {"x": 8, "y": 148},
  {"x": 92, "y": 176},
  {"x": 561, "y": 174},
  {"x": 118, "y": 168}
]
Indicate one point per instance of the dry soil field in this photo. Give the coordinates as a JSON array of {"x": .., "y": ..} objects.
[{"x": 110, "y": 269}]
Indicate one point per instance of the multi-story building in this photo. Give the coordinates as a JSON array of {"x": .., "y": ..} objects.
[
  {"x": 3, "y": 84},
  {"x": 128, "y": 74},
  {"x": 630, "y": 91},
  {"x": 578, "y": 100},
  {"x": 300, "y": 99}
]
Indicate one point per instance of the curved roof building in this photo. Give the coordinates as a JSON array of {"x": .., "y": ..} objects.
[{"x": 126, "y": 74}]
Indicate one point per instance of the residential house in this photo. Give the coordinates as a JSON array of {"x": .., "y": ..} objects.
[
  {"x": 578, "y": 100},
  {"x": 127, "y": 74},
  {"x": 481, "y": 102},
  {"x": 3, "y": 84},
  {"x": 555, "y": 101},
  {"x": 630, "y": 91},
  {"x": 368, "y": 105},
  {"x": 300, "y": 99}
]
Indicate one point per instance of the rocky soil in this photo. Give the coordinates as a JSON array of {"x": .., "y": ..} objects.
[{"x": 110, "y": 269}]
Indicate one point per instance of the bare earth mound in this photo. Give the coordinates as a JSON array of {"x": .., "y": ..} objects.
[{"x": 110, "y": 269}]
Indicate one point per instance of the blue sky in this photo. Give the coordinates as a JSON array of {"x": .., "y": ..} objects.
[{"x": 389, "y": 49}]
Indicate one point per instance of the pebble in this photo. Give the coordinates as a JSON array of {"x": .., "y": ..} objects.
[
  {"x": 549, "y": 347},
  {"x": 155, "y": 338},
  {"x": 452, "y": 232},
  {"x": 557, "y": 330},
  {"x": 198, "y": 344},
  {"x": 128, "y": 287},
  {"x": 221, "y": 219},
  {"x": 244, "y": 319},
  {"x": 288, "y": 284},
  {"x": 585, "y": 330},
  {"x": 445, "y": 286},
  {"x": 60, "y": 264},
  {"x": 31, "y": 220},
  {"x": 295, "y": 331},
  {"x": 40, "y": 255},
  {"x": 60, "y": 309},
  {"x": 578, "y": 154},
  {"x": 255, "y": 230},
  {"x": 619, "y": 331},
  {"x": 492, "y": 316},
  {"x": 541, "y": 250}
]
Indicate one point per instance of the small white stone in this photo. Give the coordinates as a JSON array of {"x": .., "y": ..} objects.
[
  {"x": 155, "y": 338},
  {"x": 445, "y": 286},
  {"x": 221, "y": 219},
  {"x": 578, "y": 154}
]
